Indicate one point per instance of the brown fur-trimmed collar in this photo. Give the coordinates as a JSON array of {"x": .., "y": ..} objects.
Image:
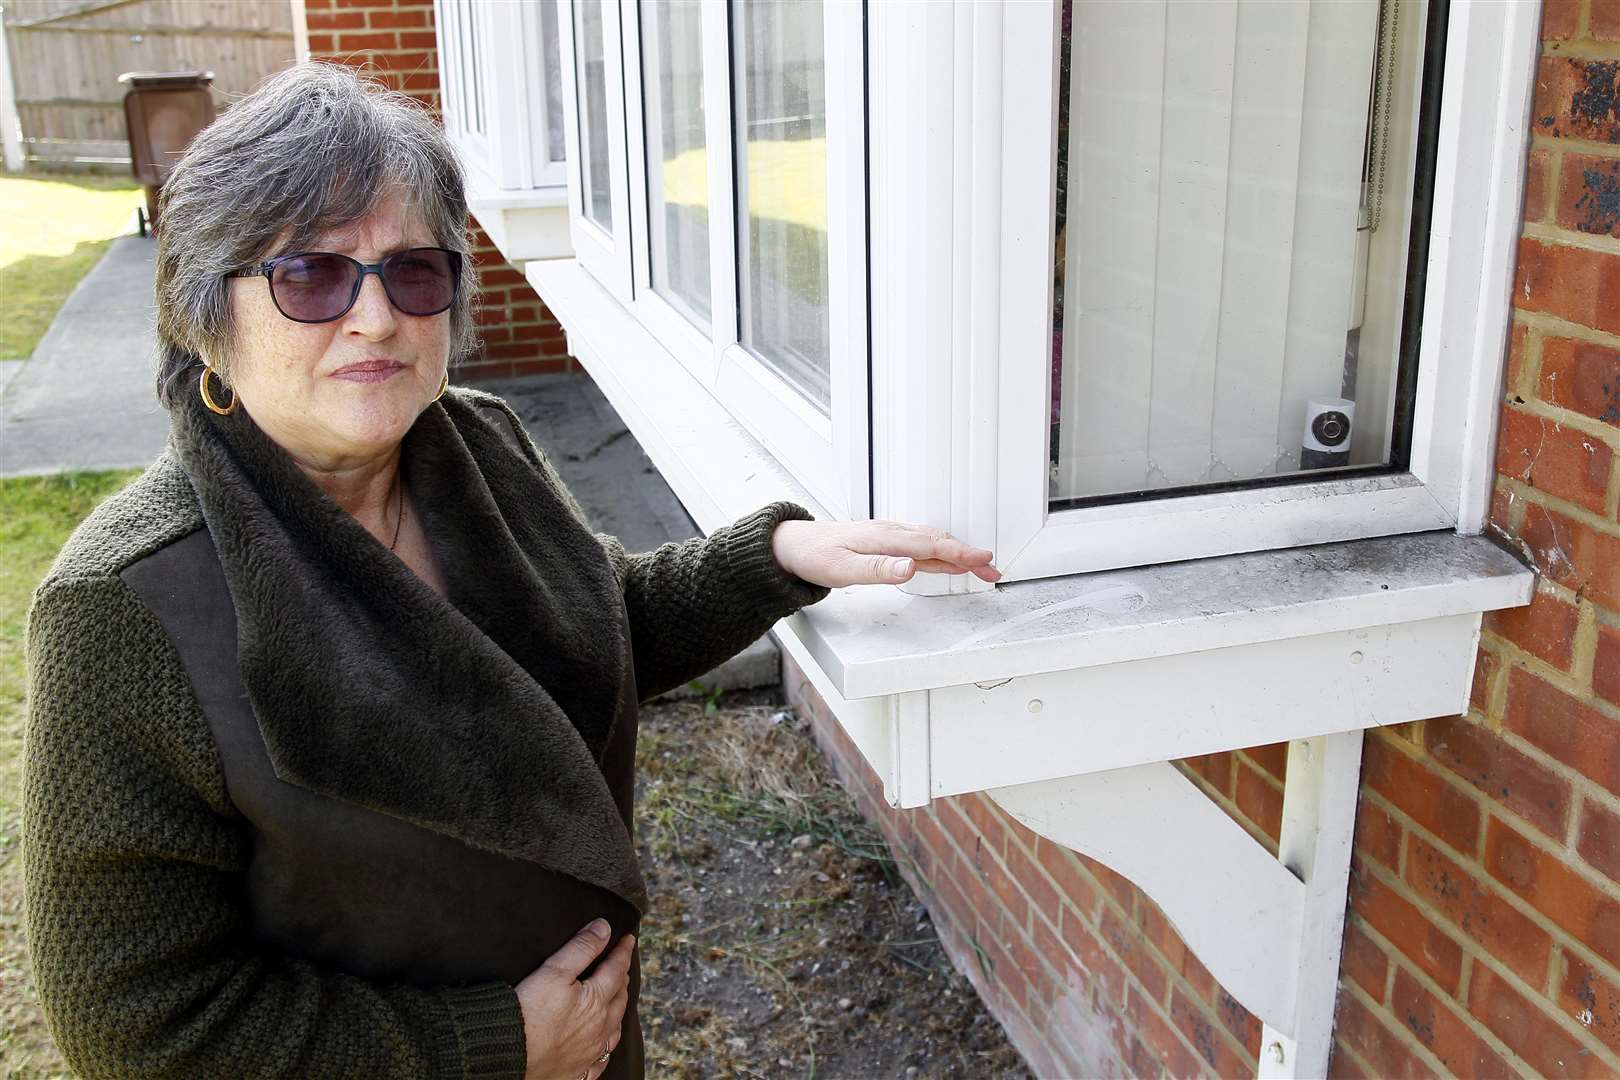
[{"x": 483, "y": 717}]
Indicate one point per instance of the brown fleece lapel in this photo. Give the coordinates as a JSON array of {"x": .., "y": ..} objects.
[{"x": 484, "y": 719}]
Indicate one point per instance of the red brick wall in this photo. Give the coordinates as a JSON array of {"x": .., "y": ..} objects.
[
  {"x": 394, "y": 39},
  {"x": 1483, "y": 932}
]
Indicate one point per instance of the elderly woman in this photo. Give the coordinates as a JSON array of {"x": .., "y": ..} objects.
[{"x": 333, "y": 720}]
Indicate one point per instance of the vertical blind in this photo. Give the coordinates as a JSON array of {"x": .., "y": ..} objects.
[{"x": 1215, "y": 155}]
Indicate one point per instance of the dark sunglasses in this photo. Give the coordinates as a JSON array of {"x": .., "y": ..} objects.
[{"x": 319, "y": 286}]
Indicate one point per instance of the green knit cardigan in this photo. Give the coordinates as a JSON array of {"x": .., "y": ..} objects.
[{"x": 133, "y": 853}]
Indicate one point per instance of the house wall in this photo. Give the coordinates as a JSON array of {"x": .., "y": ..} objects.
[
  {"x": 395, "y": 40},
  {"x": 1483, "y": 932}
]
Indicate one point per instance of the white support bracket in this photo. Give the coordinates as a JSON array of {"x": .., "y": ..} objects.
[{"x": 1269, "y": 929}]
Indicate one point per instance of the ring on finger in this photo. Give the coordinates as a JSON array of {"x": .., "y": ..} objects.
[{"x": 605, "y": 1055}]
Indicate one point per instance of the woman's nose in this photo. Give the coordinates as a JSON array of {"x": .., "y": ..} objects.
[{"x": 373, "y": 315}]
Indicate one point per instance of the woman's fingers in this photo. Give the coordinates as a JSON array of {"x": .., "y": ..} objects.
[
  {"x": 611, "y": 976},
  {"x": 939, "y": 566},
  {"x": 886, "y": 545},
  {"x": 921, "y": 542},
  {"x": 580, "y": 950}
]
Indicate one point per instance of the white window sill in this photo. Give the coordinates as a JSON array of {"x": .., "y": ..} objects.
[
  {"x": 1082, "y": 673},
  {"x": 526, "y": 224}
]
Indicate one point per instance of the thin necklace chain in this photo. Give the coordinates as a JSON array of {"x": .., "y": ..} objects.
[{"x": 399, "y": 491}]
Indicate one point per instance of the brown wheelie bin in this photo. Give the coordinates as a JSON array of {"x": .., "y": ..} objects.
[{"x": 164, "y": 111}]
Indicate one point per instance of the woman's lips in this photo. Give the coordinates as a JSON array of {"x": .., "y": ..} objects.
[{"x": 369, "y": 371}]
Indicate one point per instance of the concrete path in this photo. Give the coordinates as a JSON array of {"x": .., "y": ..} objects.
[{"x": 84, "y": 400}]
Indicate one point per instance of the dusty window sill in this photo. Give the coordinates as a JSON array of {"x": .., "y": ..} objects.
[{"x": 1086, "y": 672}]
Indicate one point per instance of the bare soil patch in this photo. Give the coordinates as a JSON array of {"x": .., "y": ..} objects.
[{"x": 782, "y": 941}]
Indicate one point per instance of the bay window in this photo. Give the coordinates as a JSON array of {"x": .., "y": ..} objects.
[
  {"x": 742, "y": 244},
  {"x": 1106, "y": 287},
  {"x": 1146, "y": 280},
  {"x": 509, "y": 131}
]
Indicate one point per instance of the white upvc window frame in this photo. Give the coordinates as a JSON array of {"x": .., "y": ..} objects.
[
  {"x": 827, "y": 452},
  {"x": 605, "y": 254},
  {"x": 964, "y": 107},
  {"x": 518, "y": 194},
  {"x": 511, "y": 153}
]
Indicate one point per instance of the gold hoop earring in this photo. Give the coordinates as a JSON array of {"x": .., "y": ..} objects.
[
  {"x": 208, "y": 399},
  {"x": 442, "y": 388}
]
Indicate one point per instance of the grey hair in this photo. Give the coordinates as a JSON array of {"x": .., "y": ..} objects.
[{"x": 313, "y": 148}]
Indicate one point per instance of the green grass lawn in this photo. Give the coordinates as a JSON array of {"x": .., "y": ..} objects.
[
  {"x": 55, "y": 229},
  {"x": 36, "y": 516}
]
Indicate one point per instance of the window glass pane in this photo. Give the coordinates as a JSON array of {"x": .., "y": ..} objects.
[
  {"x": 781, "y": 124},
  {"x": 1236, "y": 186},
  {"x": 677, "y": 158},
  {"x": 551, "y": 52},
  {"x": 593, "y": 125}
]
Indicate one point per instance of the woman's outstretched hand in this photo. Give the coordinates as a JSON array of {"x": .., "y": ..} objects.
[
  {"x": 836, "y": 553},
  {"x": 568, "y": 1023}
]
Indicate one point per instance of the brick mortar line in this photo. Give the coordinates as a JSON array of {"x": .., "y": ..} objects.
[
  {"x": 1581, "y": 785},
  {"x": 1094, "y": 925},
  {"x": 1398, "y": 960},
  {"x": 1578, "y": 49},
  {"x": 1541, "y": 409},
  {"x": 1342, "y": 1047},
  {"x": 1563, "y": 593},
  {"x": 1531, "y": 494},
  {"x": 1403, "y": 1034},
  {"x": 1549, "y": 325},
  {"x": 1545, "y": 1003},
  {"x": 1471, "y": 948},
  {"x": 1259, "y": 835},
  {"x": 1551, "y": 232},
  {"x": 1539, "y": 140},
  {"x": 974, "y": 972},
  {"x": 1175, "y": 976},
  {"x": 1164, "y": 1018},
  {"x": 1564, "y": 681},
  {"x": 1265, "y": 774}
]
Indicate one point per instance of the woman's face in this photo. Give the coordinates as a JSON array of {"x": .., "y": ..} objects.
[{"x": 336, "y": 394}]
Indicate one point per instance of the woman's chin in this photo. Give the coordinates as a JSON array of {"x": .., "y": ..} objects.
[{"x": 378, "y": 422}]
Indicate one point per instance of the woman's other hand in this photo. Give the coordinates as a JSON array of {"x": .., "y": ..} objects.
[
  {"x": 568, "y": 1023},
  {"x": 835, "y": 553}
]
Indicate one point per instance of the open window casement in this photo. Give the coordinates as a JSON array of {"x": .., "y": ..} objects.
[
  {"x": 501, "y": 93},
  {"x": 1194, "y": 311}
]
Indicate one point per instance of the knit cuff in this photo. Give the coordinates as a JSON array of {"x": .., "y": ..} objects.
[
  {"x": 754, "y": 569},
  {"x": 485, "y": 1036}
]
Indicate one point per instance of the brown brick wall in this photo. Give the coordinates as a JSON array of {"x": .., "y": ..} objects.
[
  {"x": 394, "y": 40},
  {"x": 1483, "y": 932}
]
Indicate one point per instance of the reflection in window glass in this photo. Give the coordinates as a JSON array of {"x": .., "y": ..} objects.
[
  {"x": 593, "y": 126},
  {"x": 551, "y": 51},
  {"x": 1232, "y": 219},
  {"x": 677, "y": 161},
  {"x": 781, "y": 128}
]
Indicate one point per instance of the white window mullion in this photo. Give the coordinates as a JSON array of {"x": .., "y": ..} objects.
[
  {"x": 599, "y": 226},
  {"x": 679, "y": 330},
  {"x": 846, "y": 256},
  {"x": 722, "y": 190}
]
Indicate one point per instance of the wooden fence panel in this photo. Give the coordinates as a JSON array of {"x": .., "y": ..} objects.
[{"x": 66, "y": 56}]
